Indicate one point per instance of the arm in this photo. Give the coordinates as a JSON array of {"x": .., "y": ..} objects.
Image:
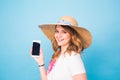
[
  {"x": 43, "y": 73},
  {"x": 40, "y": 61},
  {"x": 80, "y": 76}
]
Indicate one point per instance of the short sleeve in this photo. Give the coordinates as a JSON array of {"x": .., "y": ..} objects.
[{"x": 75, "y": 64}]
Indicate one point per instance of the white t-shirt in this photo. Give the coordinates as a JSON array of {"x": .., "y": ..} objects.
[{"x": 66, "y": 66}]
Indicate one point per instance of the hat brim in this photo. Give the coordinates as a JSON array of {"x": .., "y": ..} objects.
[{"x": 49, "y": 30}]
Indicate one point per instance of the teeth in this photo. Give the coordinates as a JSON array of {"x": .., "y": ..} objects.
[{"x": 60, "y": 40}]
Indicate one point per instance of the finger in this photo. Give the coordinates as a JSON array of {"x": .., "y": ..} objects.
[
  {"x": 40, "y": 50},
  {"x": 31, "y": 51}
]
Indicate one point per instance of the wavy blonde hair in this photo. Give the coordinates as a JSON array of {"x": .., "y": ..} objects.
[{"x": 76, "y": 43}]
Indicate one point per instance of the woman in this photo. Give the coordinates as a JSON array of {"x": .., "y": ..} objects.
[{"x": 68, "y": 42}]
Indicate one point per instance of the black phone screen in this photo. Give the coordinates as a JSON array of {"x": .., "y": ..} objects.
[{"x": 36, "y": 49}]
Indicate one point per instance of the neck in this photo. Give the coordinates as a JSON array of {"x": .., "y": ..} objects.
[{"x": 63, "y": 49}]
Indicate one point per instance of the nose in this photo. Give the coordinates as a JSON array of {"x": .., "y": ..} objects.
[{"x": 59, "y": 35}]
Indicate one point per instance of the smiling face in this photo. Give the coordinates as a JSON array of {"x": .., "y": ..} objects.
[{"x": 62, "y": 36}]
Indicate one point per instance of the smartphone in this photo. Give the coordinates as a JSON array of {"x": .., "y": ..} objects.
[{"x": 36, "y": 48}]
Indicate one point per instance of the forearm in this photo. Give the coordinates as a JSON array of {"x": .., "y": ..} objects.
[
  {"x": 80, "y": 77},
  {"x": 43, "y": 73}
]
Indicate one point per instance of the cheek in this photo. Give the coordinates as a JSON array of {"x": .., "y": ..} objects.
[
  {"x": 55, "y": 36},
  {"x": 68, "y": 38}
]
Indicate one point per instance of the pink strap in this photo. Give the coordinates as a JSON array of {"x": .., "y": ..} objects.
[{"x": 52, "y": 63}]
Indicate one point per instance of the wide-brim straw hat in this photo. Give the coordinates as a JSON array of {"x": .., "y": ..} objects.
[{"x": 49, "y": 29}]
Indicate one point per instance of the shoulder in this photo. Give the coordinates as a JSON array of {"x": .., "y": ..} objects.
[
  {"x": 72, "y": 55},
  {"x": 75, "y": 63}
]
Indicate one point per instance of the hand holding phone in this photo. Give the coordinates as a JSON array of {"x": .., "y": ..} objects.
[{"x": 36, "y": 48}]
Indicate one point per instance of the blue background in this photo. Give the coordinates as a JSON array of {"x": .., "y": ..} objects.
[{"x": 19, "y": 20}]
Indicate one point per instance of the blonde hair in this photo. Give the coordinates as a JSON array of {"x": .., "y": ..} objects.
[{"x": 76, "y": 43}]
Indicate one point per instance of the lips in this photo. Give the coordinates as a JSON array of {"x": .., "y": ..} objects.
[{"x": 60, "y": 40}]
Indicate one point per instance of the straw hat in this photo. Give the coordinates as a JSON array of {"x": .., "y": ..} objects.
[{"x": 49, "y": 29}]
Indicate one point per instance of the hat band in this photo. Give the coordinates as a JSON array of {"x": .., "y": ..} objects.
[{"x": 64, "y": 22}]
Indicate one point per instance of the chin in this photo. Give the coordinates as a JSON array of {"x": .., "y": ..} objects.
[{"x": 60, "y": 44}]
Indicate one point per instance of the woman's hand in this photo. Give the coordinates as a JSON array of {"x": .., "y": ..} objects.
[{"x": 40, "y": 59}]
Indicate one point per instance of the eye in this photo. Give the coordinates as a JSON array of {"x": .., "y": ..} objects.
[
  {"x": 56, "y": 31},
  {"x": 64, "y": 32}
]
